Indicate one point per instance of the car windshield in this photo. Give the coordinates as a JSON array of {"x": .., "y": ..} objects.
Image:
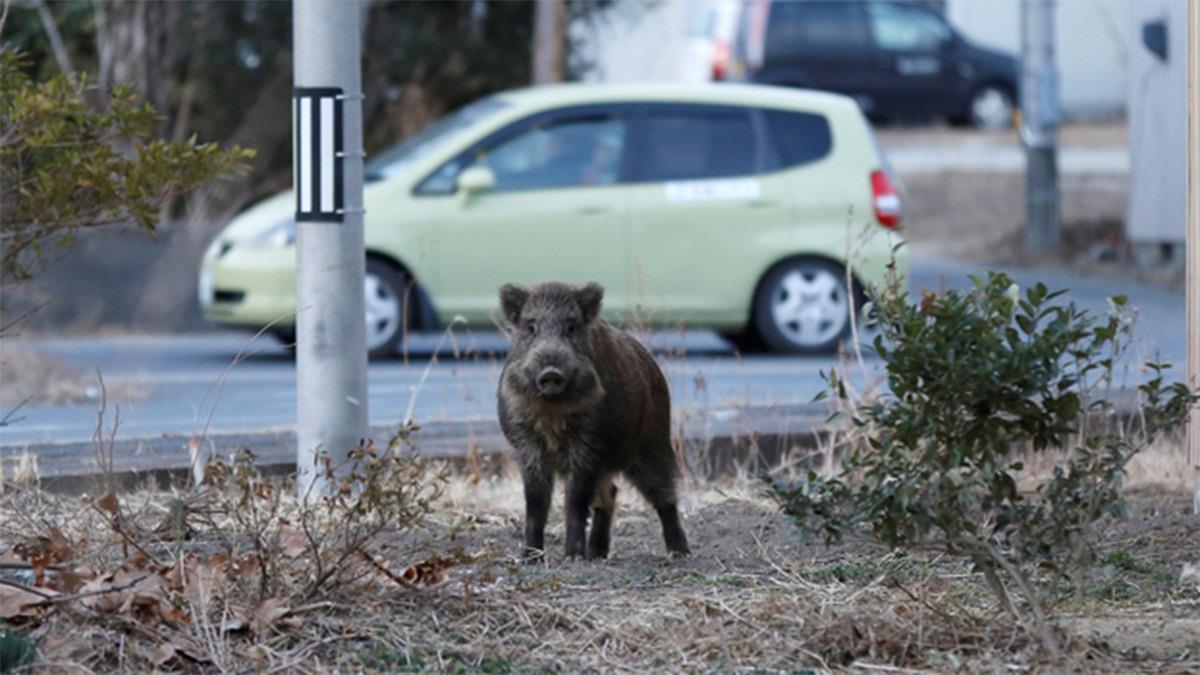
[{"x": 393, "y": 160}]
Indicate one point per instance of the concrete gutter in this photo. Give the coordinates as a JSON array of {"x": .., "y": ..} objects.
[{"x": 716, "y": 439}]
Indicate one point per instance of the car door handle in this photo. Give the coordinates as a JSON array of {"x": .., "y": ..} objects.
[
  {"x": 761, "y": 203},
  {"x": 594, "y": 210}
]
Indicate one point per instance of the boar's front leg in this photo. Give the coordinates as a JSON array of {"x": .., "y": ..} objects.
[
  {"x": 581, "y": 488},
  {"x": 539, "y": 488},
  {"x": 602, "y": 517}
]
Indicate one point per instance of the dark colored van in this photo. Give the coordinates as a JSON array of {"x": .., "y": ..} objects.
[{"x": 899, "y": 60}]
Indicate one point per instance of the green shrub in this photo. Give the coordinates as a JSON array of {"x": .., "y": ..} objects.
[
  {"x": 68, "y": 164},
  {"x": 974, "y": 377}
]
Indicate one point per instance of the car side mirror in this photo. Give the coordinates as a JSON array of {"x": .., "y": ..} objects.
[{"x": 475, "y": 180}]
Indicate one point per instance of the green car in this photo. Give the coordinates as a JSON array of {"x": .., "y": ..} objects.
[{"x": 724, "y": 206}]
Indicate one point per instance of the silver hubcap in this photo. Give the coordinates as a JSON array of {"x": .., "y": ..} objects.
[
  {"x": 383, "y": 311},
  {"x": 992, "y": 109},
  {"x": 810, "y": 306}
]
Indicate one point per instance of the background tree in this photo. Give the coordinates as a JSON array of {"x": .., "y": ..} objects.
[
  {"x": 67, "y": 165},
  {"x": 223, "y": 71}
]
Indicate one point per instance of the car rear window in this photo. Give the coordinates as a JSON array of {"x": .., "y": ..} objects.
[
  {"x": 695, "y": 143},
  {"x": 796, "y": 137}
]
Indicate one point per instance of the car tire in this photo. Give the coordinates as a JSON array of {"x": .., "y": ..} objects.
[
  {"x": 745, "y": 342},
  {"x": 990, "y": 108},
  {"x": 387, "y": 320},
  {"x": 286, "y": 336},
  {"x": 803, "y": 306}
]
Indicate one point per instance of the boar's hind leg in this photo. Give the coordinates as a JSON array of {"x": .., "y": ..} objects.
[
  {"x": 656, "y": 482},
  {"x": 539, "y": 488},
  {"x": 603, "y": 506}
]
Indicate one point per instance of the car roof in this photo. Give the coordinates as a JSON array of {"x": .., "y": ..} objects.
[{"x": 675, "y": 92}]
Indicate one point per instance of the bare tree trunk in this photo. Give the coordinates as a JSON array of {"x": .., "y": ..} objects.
[
  {"x": 169, "y": 291},
  {"x": 55, "y": 38},
  {"x": 549, "y": 41},
  {"x": 135, "y": 44}
]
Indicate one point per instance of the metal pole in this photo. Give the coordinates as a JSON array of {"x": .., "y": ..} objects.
[
  {"x": 1193, "y": 240},
  {"x": 1040, "y": 117},
  {"x": 331, "y": 345}
]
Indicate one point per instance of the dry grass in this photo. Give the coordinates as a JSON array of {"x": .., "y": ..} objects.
[{"x": 446, "y": 595}]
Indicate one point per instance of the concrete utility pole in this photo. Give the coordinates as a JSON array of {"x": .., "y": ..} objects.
[
  {"x": 1193, "y": 240},
  {"x": 549, "y": 41},
  {"x": 1040, "y": 117},
  {"x": 331, "y": 342}
]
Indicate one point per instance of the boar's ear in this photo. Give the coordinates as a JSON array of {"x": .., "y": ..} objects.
[
  {"x": 589, "y": 297},
  {"x": 512, "y": 301}
]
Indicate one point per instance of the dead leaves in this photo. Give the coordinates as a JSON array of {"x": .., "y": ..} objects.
[
  {"x": 429, "y": 572},
  {"x": 23, "y": 603},
  {"x": 293, "y": 542}
]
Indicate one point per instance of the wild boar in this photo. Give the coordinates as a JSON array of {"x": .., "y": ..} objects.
[{"x": 581, "y": 400}]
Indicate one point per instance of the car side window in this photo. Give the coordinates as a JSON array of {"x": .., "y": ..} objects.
[
  {"x": 816, "y": 26},
  {"x": 695, "y": 143},
  {"x": 797, "y": 137},
  {"x": 906, "y": 29},
  {"x": 570, "y": 151},
  {"x": 563, "y": 153}
]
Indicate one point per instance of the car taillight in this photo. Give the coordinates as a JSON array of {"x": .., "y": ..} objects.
[
  {"x": 720, "y": 63},
  {"x": 886, "y": 199}
]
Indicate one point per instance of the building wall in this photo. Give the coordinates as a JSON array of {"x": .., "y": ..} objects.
[
  {"x": 1158, "y": 130},
  {"x": 635, "y": 41},
  {"x": 1093, "y": 40}
]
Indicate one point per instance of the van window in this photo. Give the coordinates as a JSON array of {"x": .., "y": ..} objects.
[
  {"x": 796, "y": 137},
  {"x": 906, "y": 29},
  {"x": 816, "y": 26},
  {"x": 694, "y": 143}
]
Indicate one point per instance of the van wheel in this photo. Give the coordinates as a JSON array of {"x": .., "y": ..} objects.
[
  {"x": 384, "y": 289},
  {"x": 990, "y": 108},
  {"x": 803, "y": 307}
]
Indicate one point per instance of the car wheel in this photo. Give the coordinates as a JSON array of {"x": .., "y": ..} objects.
[
  {"x": 991, "y": 108},
  {"x": 803, "y": 307},
  {"x": 383, "y": 302}
]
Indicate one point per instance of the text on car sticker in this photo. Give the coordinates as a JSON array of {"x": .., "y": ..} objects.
[{"x": 712, "y": 190}]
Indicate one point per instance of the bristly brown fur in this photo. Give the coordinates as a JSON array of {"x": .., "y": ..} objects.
[{"x": 581, "y": 400}]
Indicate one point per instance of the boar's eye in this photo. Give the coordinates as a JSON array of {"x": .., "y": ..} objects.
[
  {"x": 569, "y": 327},
  {"x": 530, "y": 327}
]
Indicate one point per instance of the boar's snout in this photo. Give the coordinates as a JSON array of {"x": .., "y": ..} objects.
[{"x": 551, "y": 382}]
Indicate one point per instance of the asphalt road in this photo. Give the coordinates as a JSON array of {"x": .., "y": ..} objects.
[{"x": 226, "y": 382}]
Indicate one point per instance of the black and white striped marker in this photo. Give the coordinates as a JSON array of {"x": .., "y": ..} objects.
[{"x": 318, "y": 154}]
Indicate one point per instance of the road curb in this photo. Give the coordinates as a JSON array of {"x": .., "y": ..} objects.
[{"x": 714, "y": 440}]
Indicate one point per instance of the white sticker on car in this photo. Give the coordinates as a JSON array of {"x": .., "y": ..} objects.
[{"x": 712, "y": 190}]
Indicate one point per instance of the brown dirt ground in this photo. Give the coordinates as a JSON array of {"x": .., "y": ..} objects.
[{"x": 743, "y": 600}]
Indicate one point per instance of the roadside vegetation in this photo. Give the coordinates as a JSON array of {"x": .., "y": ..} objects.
[
  {"x": 1039, "y": 534},
  {"x": 225, "y": 577}
]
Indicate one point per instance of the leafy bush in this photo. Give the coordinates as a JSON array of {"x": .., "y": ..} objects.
[
  {"x": 975, "y": 377},
  {"x": 67, "y": 164}
]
